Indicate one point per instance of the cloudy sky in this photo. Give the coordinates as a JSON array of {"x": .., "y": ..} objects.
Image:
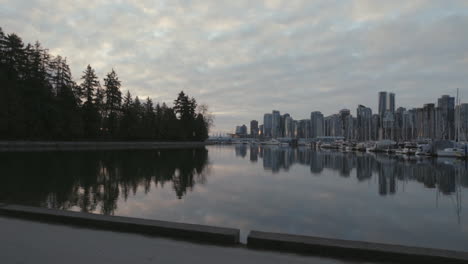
[{"x": 244, "y": 58}]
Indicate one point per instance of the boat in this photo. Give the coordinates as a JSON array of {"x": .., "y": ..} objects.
[
  {"x": 271, "y": 142},
  {"x": 408, "y": 149},
  {"x": 451, "y": 152}
]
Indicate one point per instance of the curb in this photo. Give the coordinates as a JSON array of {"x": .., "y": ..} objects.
[
  {"x": 202, "y": 233},
  {"x": 347, "y": 249}
]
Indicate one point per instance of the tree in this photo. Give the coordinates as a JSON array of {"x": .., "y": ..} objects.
[
  {"x": 90, "y": 84},
  {"x": 88, "y": 90},
  {"x": 40, "y": 100},
  {"x": 113, "y": 102}
]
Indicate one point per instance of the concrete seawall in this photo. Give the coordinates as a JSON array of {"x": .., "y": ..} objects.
[
  {"x": 347, "y": 249},
  {"x": 92, "y": 145},
  {"x": 209, "y": 234},
  {"x": 314, "y": 246}
]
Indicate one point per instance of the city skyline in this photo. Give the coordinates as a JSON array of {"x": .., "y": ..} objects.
[
  {"x": 242, "y": 58},
  {"x": 447, "y": 118}
]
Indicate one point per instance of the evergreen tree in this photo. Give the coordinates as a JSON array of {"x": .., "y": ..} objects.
[
  {"x": 90, "y": 84},
  {"x": 88, "y": 90},
  {"x": 40, "y": 101},
  {"x": 113, "y": 102}
]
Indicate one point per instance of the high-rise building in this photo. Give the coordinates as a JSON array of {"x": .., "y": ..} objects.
[
  {"x": 333, "y": 126},
  {"x": 267, "y": 124},
  {"x": 317, "y": 125},
  {"x": 346, "y": 122},
  {"x": 386, "y": 104},
  {"x": 426, "y": 121},
  {"x": 446, "y": 117},
  {"x": 364, "y": 123},
  {"x": 391, "y": 102},
  {"x": 462, "y": 122},
  {"x": 288, "y": 127},
  {"x": 304, "y": 128},
  {"x": 375, "y": 127},
  {"x": 283, "y": 125},
  {"x": 382, "y": 104},
  {"x": 276, "y": 124},
  {"x": 254, "y": 128},
  {"x": 260, "y": 130}
]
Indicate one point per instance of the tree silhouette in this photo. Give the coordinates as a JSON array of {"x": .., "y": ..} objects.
[{"x": 41, "y": 101}]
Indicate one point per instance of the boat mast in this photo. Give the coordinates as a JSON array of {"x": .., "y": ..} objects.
[{"x": 457, "y": 123}]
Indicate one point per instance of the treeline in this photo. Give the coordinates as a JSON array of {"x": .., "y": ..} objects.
[{"x": 39, "y": 100}]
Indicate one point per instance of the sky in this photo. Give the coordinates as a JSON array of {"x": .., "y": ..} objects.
[{"x": 245, "y": 58}]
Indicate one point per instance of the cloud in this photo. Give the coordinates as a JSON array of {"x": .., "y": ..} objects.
[{"x": 246, "y": 58}]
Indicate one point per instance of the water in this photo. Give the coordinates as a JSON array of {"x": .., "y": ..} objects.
[{"x": 358, "y": 196}]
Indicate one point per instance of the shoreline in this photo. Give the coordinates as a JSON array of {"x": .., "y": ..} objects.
[
  {"x": 95, "y": 145},
  {"x": 347, "y": 250}
]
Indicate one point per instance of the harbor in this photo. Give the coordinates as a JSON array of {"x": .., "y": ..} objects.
[{"x": 426, "y": 148}]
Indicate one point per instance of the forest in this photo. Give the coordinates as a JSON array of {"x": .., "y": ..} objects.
[{"x": 39, "y": 100}]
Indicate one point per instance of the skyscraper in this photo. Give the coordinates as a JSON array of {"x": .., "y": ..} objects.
[
  {"x": 254, "y": 128},
  {"x": 364, "y": 123},
  {"x": 391, "y": 102},
  {"x": 382, "y": 104},
  {"x": 288, "y": 127},
  {"x": 276, "y": 124},
  {"x": 316, "y": 124},
  {"x": 267, "y": 124},
  {"x": 446, "y": 117}
]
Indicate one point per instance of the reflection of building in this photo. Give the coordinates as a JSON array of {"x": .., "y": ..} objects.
[
  {"x": 241, "y": 150},
  {"x": 387, "y": 169},
  {"x": 253, "y": 153}
]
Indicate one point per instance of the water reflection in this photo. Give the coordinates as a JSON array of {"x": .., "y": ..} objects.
[
  {"x": 444, "y": 174},
  {"x": 94, "y": 181}
]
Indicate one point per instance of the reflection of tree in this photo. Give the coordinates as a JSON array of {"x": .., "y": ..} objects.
[
  {"x": 388, "y": 169},
  {"x": 92, "y": 180}
]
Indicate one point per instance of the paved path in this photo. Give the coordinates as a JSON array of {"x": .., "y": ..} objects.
[{"x": 33, "y": 242}]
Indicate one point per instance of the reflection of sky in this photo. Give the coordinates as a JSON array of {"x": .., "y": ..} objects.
[{"x": 242, "y": 194}]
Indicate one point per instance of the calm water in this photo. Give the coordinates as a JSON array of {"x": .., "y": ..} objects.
[{"x": 355, "y": 196}]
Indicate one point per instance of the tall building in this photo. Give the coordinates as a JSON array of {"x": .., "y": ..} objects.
[
  {"x": 462, "y": 122},
  {"x": 346, "y": 122},
  {"x": 382, "y": 104},
  {"x": 446, "y": 117},
  {"x": 304, "y": 128},
  {"x": 426, "y": 121},
  {"x": 283, "y": 124},
  {"x": 267, "y": 124},
  {"x": 386, "y": 113},
  {"x": 288, "y": 127},
  {"x": 391, "y": 102},
  {"x": 276, "y": 124},
  {"x": 316, "y": 124},
  {"x": 375, "y": 127},
  {"x": 254, "y": 128},
  {"x": 364, "y": 123},
  {"x": 333, "y": 126}
]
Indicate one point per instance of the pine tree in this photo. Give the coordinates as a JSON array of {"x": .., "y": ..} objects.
[
  {"x": 113, "y": 102},
  {"x": 90, "y": 84}
]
